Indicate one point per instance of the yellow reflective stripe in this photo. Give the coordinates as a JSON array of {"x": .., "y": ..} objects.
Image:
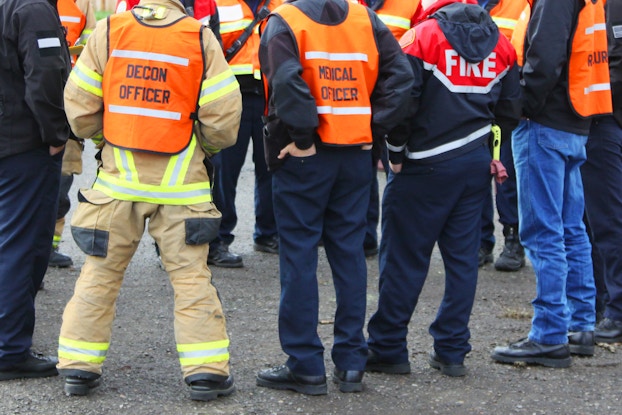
[
  {"x": 178, "y": 165},
  {"x": 87, "y": 79},
  {"x": 218, "y": 86},
  {"x": 396, "y": 21},
  {"x": 187, "y": 194},
  {"x": 234, "y": 26},
  {"x": 505, "y": 23},
  {"x": 82, "y": 351},
  {"x": 257, "y": 74},
  {"x": 244, "y": 69},
  {"x": 124, "y": 161},
  {"x": 201, "y": 353}
]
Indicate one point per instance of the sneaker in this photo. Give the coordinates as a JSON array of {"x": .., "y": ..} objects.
[
  {"x": 219, "y": 256},
  {"x": 608, "y": 331},
  {"x": 269, "y": 244},
  {"x": 484, "y": 256},
  {"x": 211, "y": 387},
  {"x": 448, "y": 369},
  {"x": 527, "y": 351},
  {"x": 79, "y": 386},
  {"x": 35, "y": 366},
  {"x": 513, "y": 256},
  {"x": 58, "y": 260}
]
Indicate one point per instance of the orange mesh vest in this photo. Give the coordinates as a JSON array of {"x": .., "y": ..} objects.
[
  {"x": 151, "y": 84},
  {"x": 397, "y": 15},
  {"x": 72, "y": 19},
  {"x": 520, "y": 31},
  {"x": 588, "y": 72},
  {"x": 506, "y": 13},
  {"x": 341, "y": 72}
]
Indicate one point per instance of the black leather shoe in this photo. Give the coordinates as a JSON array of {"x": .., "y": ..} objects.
[
  {"x": 349, "y": 380},
  {"x": 58, "y": 260},
  {"x": 211, "y": 387},
  {"x": 280, "y": 377},
  {"x": 448, "y": 369},
  {"x": 581, "y": 343},
  {"x": 80, "y": 384},
  {"x": 374, "y": 364},
  {"x": 219, "y": 256},
  {"x": 484, "y": 256},
  {"x": 35, "y": 366},
  {"x": 608, "y": 331},
  {"x": 269, "y": 244},
  {"x": 525, "y": 350},
  {"x": 370, "y": 249}
]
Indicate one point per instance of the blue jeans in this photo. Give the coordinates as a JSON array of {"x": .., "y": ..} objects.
[{"x": 550, "y": 209}]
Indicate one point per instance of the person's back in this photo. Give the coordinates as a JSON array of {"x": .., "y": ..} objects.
[
  {"x": 34, "y": 65},
  {"x": 153, "y": 88}
]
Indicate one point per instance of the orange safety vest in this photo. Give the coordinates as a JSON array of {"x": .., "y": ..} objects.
[
  {"x": 588, "y": 73},
  {"x": 235, "y": 16},
  {"x": 72, "y": 19},
  {"x": 398, "y": 15},
  {"x": 151, "y": 89},
  {"x": 341, "y": 74},
  {"x": 506, "y": 14},
  {"x": 520, "y": 31}
]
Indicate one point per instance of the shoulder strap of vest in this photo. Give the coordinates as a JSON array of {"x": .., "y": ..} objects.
[{"x": 248, "y": 30}]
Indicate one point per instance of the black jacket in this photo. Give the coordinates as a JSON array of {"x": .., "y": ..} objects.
[
  {"x": 545, "y": 72},
  {"x": 34, "y": 65},
  {"x": 296, "y": 107},
  {"x": 614, "y": 37}
]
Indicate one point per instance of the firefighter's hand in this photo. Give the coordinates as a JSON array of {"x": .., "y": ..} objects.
[
  {"x": 55, "y": 150},
  {"x": 395, "y": 168},
  {"x": 292, "y": 150}
]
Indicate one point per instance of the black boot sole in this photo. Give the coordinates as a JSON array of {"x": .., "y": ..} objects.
[
  {"x": 210, "y": 395},
  {"x": 313, "y": 390},
  {"x": 348, "y": 387},
  {"x": 82, "y": 388},
  {"x": 544, "y": 361}
]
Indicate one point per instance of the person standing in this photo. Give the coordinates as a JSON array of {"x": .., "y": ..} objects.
[
  {"x": 33, "y": 132},
  {"x": 326, "y": 100},
  {"x": 239, "y": 22},
  {"x": 505, "y": 14},
  {"x": 78, "y": 20},
  {"x": 153, "y": 86},
  {"x": 602, "y": 181},
  {"x": 565, "y": 81},
  {"x": 466, "y": 78}
]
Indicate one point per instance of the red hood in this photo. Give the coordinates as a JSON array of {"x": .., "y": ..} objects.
[{"x": 441, "y": 3}]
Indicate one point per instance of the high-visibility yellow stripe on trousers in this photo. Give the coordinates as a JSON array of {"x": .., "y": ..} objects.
[
  {"x": 194, "y": 354},
  {"x": 81, "y": 351}
]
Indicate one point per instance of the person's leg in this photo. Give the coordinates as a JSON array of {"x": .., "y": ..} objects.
[
  {"x": 58, "y": 259},
  {"x": 487, "y": 239},
  {"x": 29, "y": 184},
  {"x": 344, "y": 232}
]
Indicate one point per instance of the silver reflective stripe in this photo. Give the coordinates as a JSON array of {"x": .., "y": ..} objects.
[
  {"x": 96, "y": 353},
  {"x": 597, "y": 27},
  {"x": 464, "y": 89},
  {"x": 203, "y": 353},
  {"x": 123, "y": 155},
  {"x": 48, "y": 42},
  {"x": 77, "y": 71},
  {"x": 71, "y": 19},
  {"x": 460, "y": 142},
  {"x": 168, "y": 115},
  {"x": 180, "y": 161},
  {"x": 152, "y": 194},
  {"x": 617, "y": 31},
  {"x": 218, "y": 86},
  {"x": 596, "y": 88},
  {"x": 395, "y": 149},
  {"x": 343, "y": 110},
  {"x": 335, "y": 57},
  {"x": 158, "y": 57}
]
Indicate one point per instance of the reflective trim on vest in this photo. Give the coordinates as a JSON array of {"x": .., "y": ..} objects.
[
  {"x": 460, "y": 142},
  {"x": 87, "y": 79},
  {"x": 82, "y": 351},
  {"x": 202, "y": 353},
  {"x": 504, "y": 23},
  {"x": 218, "y": 86},
  {"x": 592, "y": 29},
  {"x": 396, "y": 21},
  {"x": 72, "y": 19},
  {"x": 336, "y": 57},
  {"x": 344, "y": 111},
  {"x": 144, "y": 112},
  {"x": 234, "y": 26},
  {"x": 69, "y": 19},
  {"x": 158, "y": 57},
  {"x": 245, "y": 69}
]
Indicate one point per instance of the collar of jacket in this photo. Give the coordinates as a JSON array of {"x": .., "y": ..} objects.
[{"x": 442, "y": 3}]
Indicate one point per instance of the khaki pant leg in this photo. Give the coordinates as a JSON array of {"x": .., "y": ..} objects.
[
  {"x": 88, "y": 317},
  {"x": 200, "y": 327}
]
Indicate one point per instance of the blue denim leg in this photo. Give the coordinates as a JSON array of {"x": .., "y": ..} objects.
[
  {"x": 551, "y": 209},
  {"x": 228, "y": 165},
  {"x": 602, "y": 177}
]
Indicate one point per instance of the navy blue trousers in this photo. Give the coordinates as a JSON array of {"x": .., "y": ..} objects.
[
  {"x": 228, "y": 165},
  {"x": 602, "y": 183},
  {"x": 506, "y": 198},
  {"x": 29, "y": 184},
  {"x": 425, "y": 204},
  {"x": 324, "y": 196}
]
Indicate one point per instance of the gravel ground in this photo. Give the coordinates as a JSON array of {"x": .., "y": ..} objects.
[{"x": 142, "y": 376}]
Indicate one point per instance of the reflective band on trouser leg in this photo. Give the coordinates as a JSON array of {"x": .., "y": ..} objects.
[
  {"x": 81, "y": 355},
  {"x": 210, "y": 357}
]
